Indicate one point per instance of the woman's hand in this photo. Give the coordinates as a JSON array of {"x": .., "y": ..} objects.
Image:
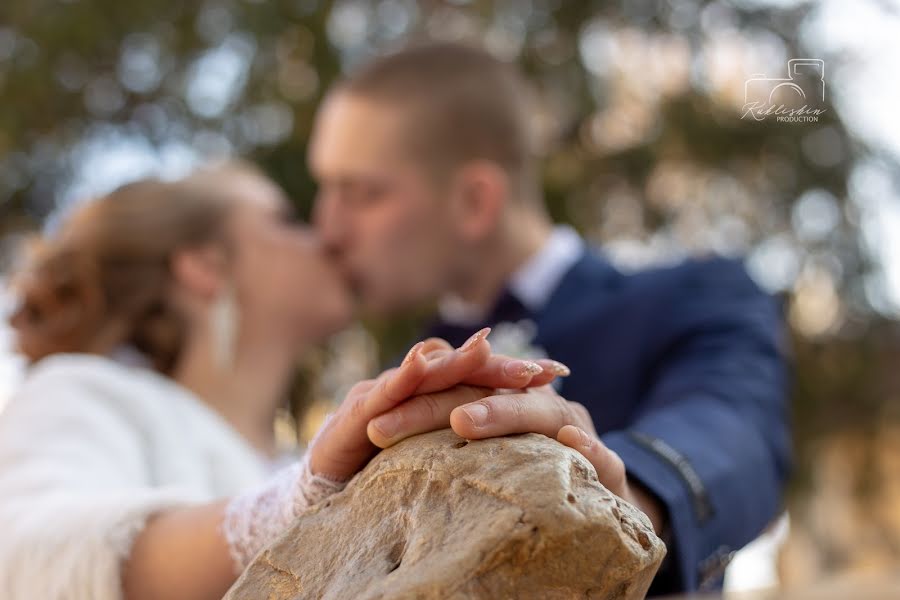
[{"x": 342, "y": 447}]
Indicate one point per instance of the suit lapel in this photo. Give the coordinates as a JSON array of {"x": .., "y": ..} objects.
[{"x": 585, "y": 286}]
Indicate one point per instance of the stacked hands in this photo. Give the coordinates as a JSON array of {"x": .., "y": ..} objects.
[{"x": 477, "y": 393}]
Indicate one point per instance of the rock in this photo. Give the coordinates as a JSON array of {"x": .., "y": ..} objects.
[{"x": 437, "y": 516}]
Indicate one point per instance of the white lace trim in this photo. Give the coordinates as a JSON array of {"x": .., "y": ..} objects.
[{"x": 256, "y": 518}]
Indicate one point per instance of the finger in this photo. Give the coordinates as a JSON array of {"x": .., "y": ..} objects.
[
  {"x": 420, "y": 414},
  {"x": 504, "y": 372},
  {"x": 451, "y": 367},
  {"x": 500, "y": 371},
  {"x": 552, "y": 370},
  {"x": 387, "y": 373},
  {"x": 583, "y": 418},
  {"x": 434, "y": 345},
  {"x": 362, "y": 387},
  {"x": 609, "y": 466},
  {"x": 395, "y": 385},
  {"x": 538, "y": 411}
]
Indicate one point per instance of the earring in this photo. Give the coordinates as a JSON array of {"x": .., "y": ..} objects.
[{"x": 224, "y": 319}]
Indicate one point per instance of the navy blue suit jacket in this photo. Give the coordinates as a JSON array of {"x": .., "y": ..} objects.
[{"x": 683, "y": 371}]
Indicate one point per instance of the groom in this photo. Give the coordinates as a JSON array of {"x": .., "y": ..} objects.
[{"x": 429, "y": 192}]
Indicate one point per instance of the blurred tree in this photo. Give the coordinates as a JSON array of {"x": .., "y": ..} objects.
[{"x": 639, "y": 108}]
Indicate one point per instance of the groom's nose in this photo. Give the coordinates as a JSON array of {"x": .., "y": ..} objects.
[{"x": 330, "y": 223}]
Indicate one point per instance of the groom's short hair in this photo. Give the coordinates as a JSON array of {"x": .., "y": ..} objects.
[{"x": 461, "y": 104}]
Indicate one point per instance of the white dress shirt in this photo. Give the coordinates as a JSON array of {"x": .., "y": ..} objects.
[{"x": 532, "y": 284}]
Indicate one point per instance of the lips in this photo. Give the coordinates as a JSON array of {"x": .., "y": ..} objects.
[{"x": 353, "y": 280}]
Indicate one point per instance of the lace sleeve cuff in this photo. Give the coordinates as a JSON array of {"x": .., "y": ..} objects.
[{"x": 256, "y": 518}]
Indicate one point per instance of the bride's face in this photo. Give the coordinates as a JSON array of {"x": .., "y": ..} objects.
[{"x": 282, "y": 277}]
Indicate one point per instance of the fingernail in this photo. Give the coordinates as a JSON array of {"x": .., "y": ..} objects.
[
  {"x": 478, "y": 413},
  {"x": 558, "y": 368},
  {"x": 476, "y": 337},
  {"x": 411, "y": 355},
  {"x": 522, "y": 368},
  {"x": 387, "y": 425}
]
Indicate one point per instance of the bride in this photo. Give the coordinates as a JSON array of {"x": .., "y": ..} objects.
[{"x": 162, "y": 323}]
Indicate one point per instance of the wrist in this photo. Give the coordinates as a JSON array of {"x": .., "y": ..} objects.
[
  {"x": 255, "y": 518},
  {"x": 649, "y": 504},
  {"x": 312, "y": 487}
]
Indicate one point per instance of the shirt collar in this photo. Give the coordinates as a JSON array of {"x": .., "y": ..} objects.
[{"x": 532, "y": 283}]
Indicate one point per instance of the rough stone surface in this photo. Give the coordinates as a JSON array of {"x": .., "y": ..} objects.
[{"x": 439, "y": 517}]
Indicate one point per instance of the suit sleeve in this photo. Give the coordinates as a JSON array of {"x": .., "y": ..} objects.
[{"x": 711, "y": 437}]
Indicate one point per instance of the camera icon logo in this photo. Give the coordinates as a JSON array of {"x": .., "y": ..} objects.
[{"x": 795, "y": 95}]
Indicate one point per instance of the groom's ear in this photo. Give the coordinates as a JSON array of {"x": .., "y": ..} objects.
[{"x": 480, "y": 191}]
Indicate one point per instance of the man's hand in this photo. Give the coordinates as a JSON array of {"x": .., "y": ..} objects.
[{"x": 477, "y": 413}]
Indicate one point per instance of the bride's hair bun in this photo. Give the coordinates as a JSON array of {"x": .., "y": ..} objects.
[
  {"x": 60, "y": 300},
  {"x": 104, "y": 278}
]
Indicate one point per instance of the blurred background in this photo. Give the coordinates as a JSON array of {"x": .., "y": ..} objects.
[{"x": 647, "y": 148}]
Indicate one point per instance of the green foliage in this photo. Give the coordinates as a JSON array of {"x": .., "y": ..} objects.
[{"x": 643, "y": 138}]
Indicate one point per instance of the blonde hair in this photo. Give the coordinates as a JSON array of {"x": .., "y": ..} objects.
[{"x": 105, "y": 278}]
